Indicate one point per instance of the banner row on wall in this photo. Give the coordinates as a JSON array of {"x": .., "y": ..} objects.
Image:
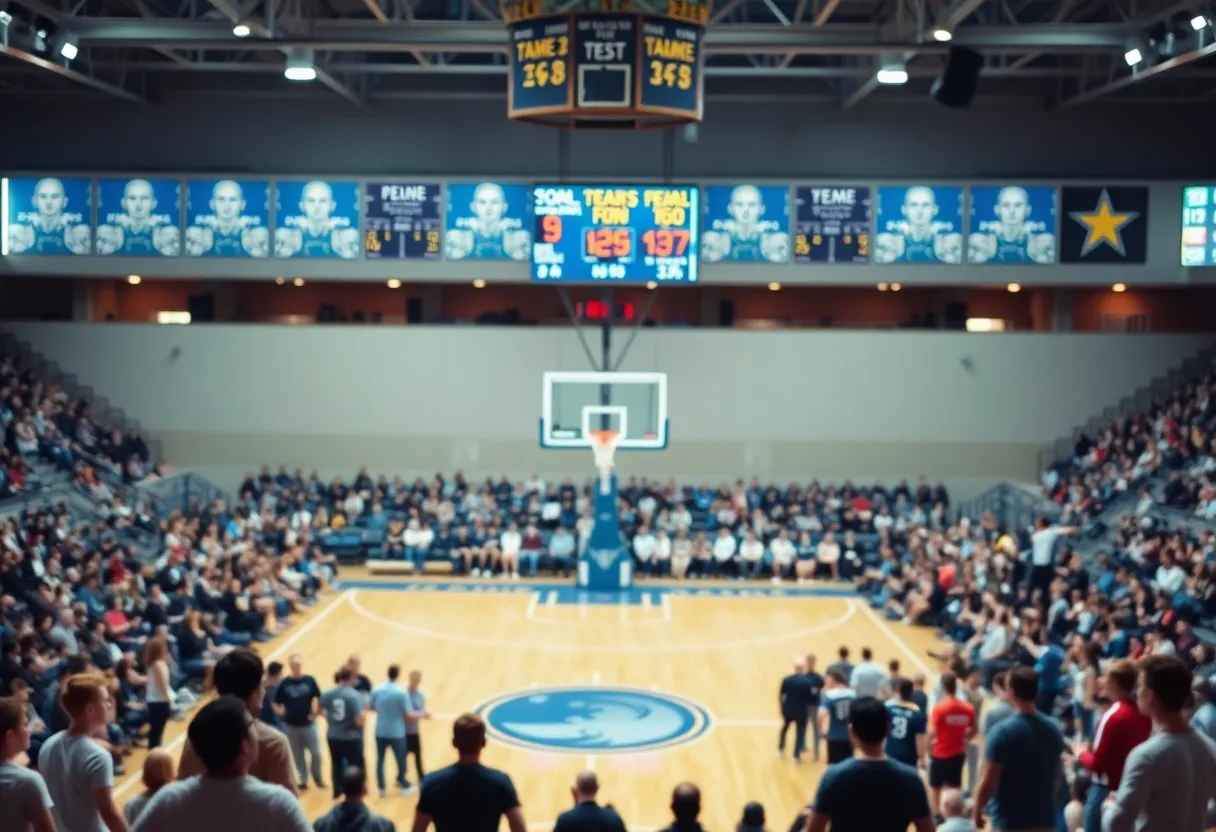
[{"x": 1026, "y": 224}]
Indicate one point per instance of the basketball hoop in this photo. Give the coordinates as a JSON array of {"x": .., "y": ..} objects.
[{"x": 603, "y": 446}]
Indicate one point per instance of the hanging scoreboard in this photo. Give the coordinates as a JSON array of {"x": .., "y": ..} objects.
[
  {"x": 596, "y": 69},
  {"x": 619, "y": 234}
]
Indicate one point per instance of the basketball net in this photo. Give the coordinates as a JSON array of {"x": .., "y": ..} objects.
[{"x": 603, "y": 446}]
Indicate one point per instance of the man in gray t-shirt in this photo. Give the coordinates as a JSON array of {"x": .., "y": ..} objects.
[{"x": 343, "y": 708}]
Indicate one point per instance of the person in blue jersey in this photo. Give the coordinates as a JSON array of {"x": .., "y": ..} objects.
[
  {"x": 909, "y": 724},
  {"x": 746, "y": 235},
  {"x": 919, "y": 237},
  {"x": 1014, "y": 237},
  {"x": 795, "y": 698},
  {"x": 837, "y": 702},
  {"x": 316, "y": 232},
  {"x": 870, "y": 793},
  {"x": 1049, "y": 660},
  {"x": 488, "y": 234},
  {"x": 52, "y": 228},
  {"x": 227, "y": 231},
  {"x": 391, "y": 704},
  {"x": 138, "y": 229}
]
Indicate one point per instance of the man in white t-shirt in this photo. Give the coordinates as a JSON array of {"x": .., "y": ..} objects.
[
  {"x": 226, "y": 797},
  {"x": 417, "y": 539},
  {"x": 681, "y": 518},
  {"x": 643, "y": 548},
  {"x": 1042, "y": 556},
  {"x": 783, "y": 552},
  {"x": 751, "y": 555},
  {"x": 25, "y": 803},
  {"x": 512, "y": 542},
  {"x": 725, "y": 547}
]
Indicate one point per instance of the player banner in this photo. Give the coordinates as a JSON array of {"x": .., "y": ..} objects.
[
  {"x": 316, "y": 219},
  {"x": 1012, "y": 224},
  {"x": 48, "y": 216},
  {"x": 832, "y": 224},
  {"x": 139, "y": 217},
  {"x": 488, "y": 221},
  {"x": 228, "y": 218},
  {"x": 919, "y": 224},
  {"x": 746, "y": 223}
]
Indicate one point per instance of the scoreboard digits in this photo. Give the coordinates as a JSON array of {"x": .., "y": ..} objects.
[{"x": 635, "y": 233}]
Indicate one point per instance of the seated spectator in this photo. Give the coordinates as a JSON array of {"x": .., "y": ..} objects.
[
  {"x": 352, "y": 814},
  {"x": 25, "y": 803},
  {"x": 158, "y": 772},
  {"x": 224, "y": 797}
]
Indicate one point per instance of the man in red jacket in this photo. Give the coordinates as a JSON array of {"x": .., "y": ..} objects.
[{"x": 1120, "y": 729}]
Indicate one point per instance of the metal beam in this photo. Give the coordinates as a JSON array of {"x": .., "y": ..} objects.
[
  {"x": 347, "y": 35},
  {"x": 374, "y": 7},
  {"x": 862, "y": 92},
  {"x": 959, "y": 13},
  {"x": 1062, "y": 13},
  {"x": 234, "y": 15},
  {"x": 1144, "y": 74},
  {"x": 70, "y": 74},
  {"x": 722, "y": 13},
  {"x": 822, "y": 18}
]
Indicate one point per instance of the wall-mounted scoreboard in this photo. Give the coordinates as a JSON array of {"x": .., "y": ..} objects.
[{"x": 606, "y": 69}]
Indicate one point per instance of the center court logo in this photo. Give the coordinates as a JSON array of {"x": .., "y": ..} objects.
[{"x": 604, "y": 720}]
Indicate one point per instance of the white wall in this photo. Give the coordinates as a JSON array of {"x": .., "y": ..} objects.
[{"x": 831, "y": 403}]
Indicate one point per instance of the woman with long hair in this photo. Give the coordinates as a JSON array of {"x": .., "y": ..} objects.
[
  {"x": 159, "y": 692},
  {"x": 159, "y": 771}
]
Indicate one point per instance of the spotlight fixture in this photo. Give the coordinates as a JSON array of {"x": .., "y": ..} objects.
[
  {"x": 893, "y": 73},
  {"x": 394, "y": 284},
  {"x": 895, "y": 287},
  {"x": 134, "y": 279},
  {"x": 882, "y": 287},
  {"x": 774, "y": 286},
  {"x": 300, "y": 66},
  {"x": 479, "y": 284},
  {"x": 652, "y": 285},
  {"x": 6, "y": 17},
  {"x": 299, "y": 281},
  {"x": 1135, "y": 50},
  {"x": 68, "y": 46},
  {"x": 942, "y": 35},
  {"x": 1014, "y": 287},
  {"x": 279, "y": 281},
  {"x": 1119, "y": 288},
  {"x": 39, "y": 40},
  {"x": 242, "y": 30},
  {"x": 1198, "y": 23}
]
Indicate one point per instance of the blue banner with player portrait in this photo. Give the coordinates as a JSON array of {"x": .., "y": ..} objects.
[
  {"x": 488, "y": 221},
  {"x": 919, "y": 224},
  {"x": 228, "y": 218},
  {"x": 48, "y": 215},
  {"x": 746, "y": 224},
  {"x": 139, "y": 217},
  {"x": 1012, "y": 224},
  {"x": 316, "y": 219}
]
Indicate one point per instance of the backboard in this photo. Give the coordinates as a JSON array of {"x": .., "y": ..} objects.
[{"x": 574, "y": 404}]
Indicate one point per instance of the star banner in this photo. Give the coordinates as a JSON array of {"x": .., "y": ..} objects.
[{"x": 1104, "y": 225}]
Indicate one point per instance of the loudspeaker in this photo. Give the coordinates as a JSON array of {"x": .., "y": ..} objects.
[
  {"x": 726, "y": 313},
  {"x": 956, "y": 86},
  {"x": 201, "y": 308},
  {"x": 413, "y": 310}
]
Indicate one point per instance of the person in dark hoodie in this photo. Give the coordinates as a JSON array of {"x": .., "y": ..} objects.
[{"x": 352, "y": 814}]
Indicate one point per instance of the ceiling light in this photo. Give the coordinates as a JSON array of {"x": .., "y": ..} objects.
[
  {"x": 5, "y": 17},
  {"x": 1118, "y": 287},
  {"x": 942, "y": 35},
  {"x": 69, "y": 47},
  {"x": 394, "y": 284},
  {"x": 774, "y": 286},
  {"x": 882, "y": 287},
  {"x": 1133, "y": 56},
  {"x": 279, "y": 281},
  {"x": 300, "y": 66},
  {"x": 135, "y": 279},
  {"x": 299, "y": 281},
  {"x": 895, "y": 287},
  {"x": 1014, "y": 287},
  {"x": 242, "y": 30},
  {"x": 892, "y": 75},
  {"x": 652, "y": 285},
  {"x": 479, "y": 284},
  {"x": 1198, "y": 22}
]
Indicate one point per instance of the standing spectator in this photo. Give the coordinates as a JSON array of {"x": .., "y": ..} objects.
[
  {"x": 1043, "y": 557},
  {"x": 1021, "y": 773},
  {"x": 79, "y": 773},
  {"x": 296, "y": 702},
  {"x": 239, "y": 674},
  {"x": 467, "y": 796},
  {"x": 867, "y": 678},
  {"x": 906, "y": 741},
  {"x": 951, "y": 727},
  {"x": 838, "y": 701},
  {"x": 225, "y": 797},
  {"x": 158, "y": 773},
  {"x": 25, "y": 804},
  {"x": 352, "y": 814},
  {"x": 842, "y": 665},
  {"x": 795, "y": 699},
  {"x": 159, "y": 692},
  {"x": 846, "y": 795},
  {"x": 815, "y": 684},
  {"x": 415, "y": 712},
  {"x": 1002, "y": 710},
  {"x": 343, "y": 706},
  {"x": 685, "y": 809},
  {"x": 391, "y": 704},
  {"x": 587, "y": 815},
  {"x": 274, "y": 675},
  {"x": 1169, "y": 781},
  {"x": 1121, "y": 728}
]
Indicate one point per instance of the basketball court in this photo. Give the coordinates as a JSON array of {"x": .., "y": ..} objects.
[{"x": 678, "y": 682}]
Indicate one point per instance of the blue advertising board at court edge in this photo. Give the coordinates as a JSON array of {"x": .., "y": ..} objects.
[
  {"x": 317, "y": 219},
  {"x": 139, "y": 217},
  {"x": 48, "y": 215},
  {"x": 228, "y": 218},
  {"x": 1012, "y": 224},
  {"x": 670, "y": 71},
  {"x": 488, "y": 221},
  {"x": 919, "y": 224},
  {"x": 541, "y": 80},
  {"x": 746, "y": 223}
]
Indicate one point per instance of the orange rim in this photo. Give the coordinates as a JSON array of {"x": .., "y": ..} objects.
[{"x": 603, "y": 437}]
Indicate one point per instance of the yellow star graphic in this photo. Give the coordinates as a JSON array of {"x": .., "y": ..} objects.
[{"x": 1103, "y": 224}]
